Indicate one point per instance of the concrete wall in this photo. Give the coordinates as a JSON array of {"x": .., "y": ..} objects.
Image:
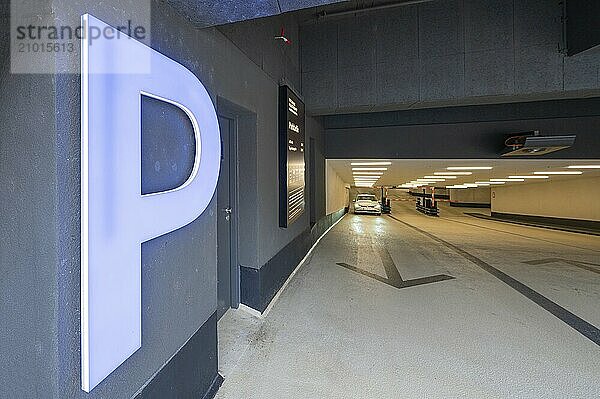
[
  {"x": 28, "y": 233},
  {"x": 205, "y": 13},
  {"x": 479, "y": 195},
  {"x": 39, "y": 210},
  {"x": 476, "y": 131},
  {"x": 571, "y": 198},
  {"x": 337, "y": 194},
  {"x": 442, "y": 53}
]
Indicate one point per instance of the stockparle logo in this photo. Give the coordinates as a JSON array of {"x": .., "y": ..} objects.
[
  {"x": 116, "y": 218},
  {"x": 48, "y": 40}
]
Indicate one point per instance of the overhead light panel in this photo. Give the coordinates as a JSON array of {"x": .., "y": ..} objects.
[
  {"x": 506, "y": 180},
  {"x": 583, "y": 167},
  {"x": 529, "y": 177},
  {"x": 436, "y": 177},
  {"x": 564, "y": 172},
  {"x": 453, "y": 173},
  {"x": 469, "y": 168},
  {"x": 368, "y": 169},
  {"x": 370, "y": 163},
  {"x": 430, "y": 180},
  {"x": 368, "y": 173},
  {"x": 457, "y": 186},
  {"x": 532, "y": 143}
]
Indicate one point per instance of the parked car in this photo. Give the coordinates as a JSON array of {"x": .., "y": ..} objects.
[{"x": 367, "y": 203}]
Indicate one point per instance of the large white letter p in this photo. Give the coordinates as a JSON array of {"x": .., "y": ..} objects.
[{"x": 115, "y": 217}]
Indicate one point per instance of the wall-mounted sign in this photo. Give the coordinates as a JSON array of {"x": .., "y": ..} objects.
[
  {"x": 291, "y": 157},
  {"x": 115, "y": 217}
]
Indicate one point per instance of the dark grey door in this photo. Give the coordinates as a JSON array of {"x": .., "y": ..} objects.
[{"x": 224, "y": 219}]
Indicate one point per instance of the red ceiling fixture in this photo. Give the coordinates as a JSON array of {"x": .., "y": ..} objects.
[{"x": 283, "y": 38}]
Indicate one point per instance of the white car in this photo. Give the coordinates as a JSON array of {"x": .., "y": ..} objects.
[{"x": 367, "y": 203}]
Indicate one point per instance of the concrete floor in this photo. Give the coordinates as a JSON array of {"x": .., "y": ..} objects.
[{"x": 340, "y": 332}]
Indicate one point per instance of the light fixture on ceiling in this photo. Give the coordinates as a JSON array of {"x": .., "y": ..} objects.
[
  {"x": 369, "y": 169},
  {"x": 529, "y": 177},
  {"x": 469, "y": 168},
  {"x": 453, "y": 173},
  {"x": 564, "y": 172},
  {"x": 532, "y": 143},
  {"x": 367, "y": 173},
  {"x": 489, "y": 182},
  {"x": 457, "y": 186},
  {"x": 583, "y": 167},
  {"x": 437, "y": 177},
  {"x": 507, "y": 180},
  {"x": 370, "y": 163},
  {"x": 470, "y": 185},
  {"x": 430, "y": 180}
]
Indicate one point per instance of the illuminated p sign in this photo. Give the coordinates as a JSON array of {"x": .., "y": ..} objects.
[{"x": 115, "y": 217}]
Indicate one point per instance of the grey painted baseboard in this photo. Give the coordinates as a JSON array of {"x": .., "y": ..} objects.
[
  {"x": 259, "y": 286},
  {"x": 192, "y": 372}
]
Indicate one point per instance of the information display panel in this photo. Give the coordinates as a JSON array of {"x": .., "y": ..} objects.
[{"x": 292, "y": 201}]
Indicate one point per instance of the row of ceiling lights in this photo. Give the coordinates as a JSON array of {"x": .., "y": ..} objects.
[
  {"x": 366, "y": 174},
  {"x": 439, "y": 177}
]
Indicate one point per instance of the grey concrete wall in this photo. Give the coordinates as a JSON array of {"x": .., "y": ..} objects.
[
  {"x": 278, "y": 63},
  {"x": 442, "y": 53},
  {"x": 314, "y": 129},
  {"x": 39, "y": 242},
  {"x": 256, "y": 38},
  {"x": 28, "y": 234},
  {"x": 205, "y": 13}
]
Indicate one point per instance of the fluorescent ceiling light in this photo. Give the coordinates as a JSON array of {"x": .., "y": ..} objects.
[
  {"x": 436, "y": 177},
  {"x": 470, "y": 185},
  {"x": 483, "y": 183},
  {"x": 368, "y": 173},
  {"x": 583, "y": 167},
  {"x": 453, "y": 173},
  {"x": 367, "y": 177},
  {"x": 506, "y": 180},
  {"x": 469, "y": 168},
  {"x": 370, "y": 163},
  {"x": 529, "y": 177},
  {"x": 366, "y": 169},
  {"x": 457, "y": 186},
  {"x": 430, "y": 180},
  {"x": 578, "y": 172}
]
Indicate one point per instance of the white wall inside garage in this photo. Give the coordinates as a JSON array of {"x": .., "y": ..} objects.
[
  {"x": 479, "y": 195},
  {"x": 337, "y": 193},
  {"x": 575, "y": 198}
]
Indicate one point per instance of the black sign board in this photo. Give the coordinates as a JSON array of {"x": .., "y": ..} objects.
[{"x": 291, "y": 157}]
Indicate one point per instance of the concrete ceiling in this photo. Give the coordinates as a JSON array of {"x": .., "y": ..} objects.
[
  {"x": 204, "y": 13},
  {"x": 402, "y": 171}
]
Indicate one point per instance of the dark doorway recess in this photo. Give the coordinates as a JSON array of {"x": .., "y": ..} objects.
[{"x": 226, "y": 249}]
